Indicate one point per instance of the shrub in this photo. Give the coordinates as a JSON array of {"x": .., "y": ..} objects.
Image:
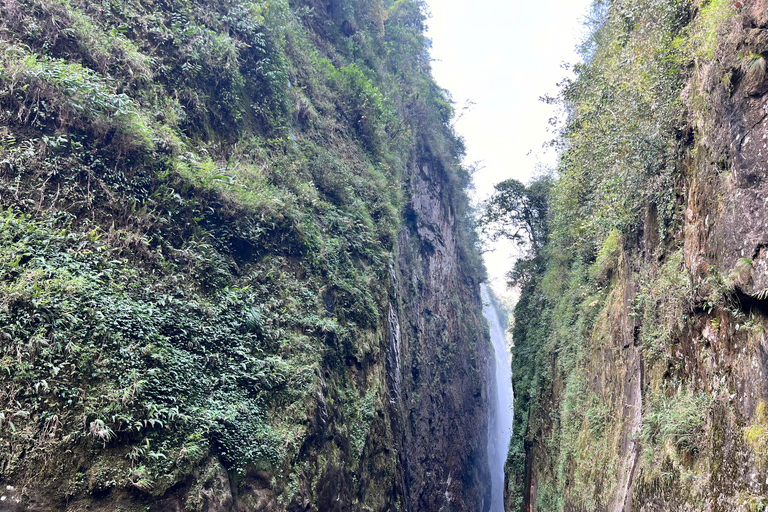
[
  {"x": 76, "y": 95},
  {"x": 756, "y": 434},
  {"x": 678, "y": 419},
  {"x": 363, "y": 106},
  {"x": 664, "y": 302}
]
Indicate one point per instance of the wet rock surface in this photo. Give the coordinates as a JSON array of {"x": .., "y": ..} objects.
[{"x": 444, "y": 358}]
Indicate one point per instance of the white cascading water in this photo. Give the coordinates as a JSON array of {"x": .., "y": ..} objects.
[{"x": 501, "y": 411}]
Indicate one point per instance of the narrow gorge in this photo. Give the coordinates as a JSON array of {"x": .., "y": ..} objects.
[{"x": 240, "y": 270}]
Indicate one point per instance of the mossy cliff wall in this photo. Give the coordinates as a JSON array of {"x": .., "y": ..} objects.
[
  {"x": 237, "y": 271},
  {"x": 640, "y": 339}
]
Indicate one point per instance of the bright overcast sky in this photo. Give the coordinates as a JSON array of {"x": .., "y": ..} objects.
[{"x": 503, "y": 55}]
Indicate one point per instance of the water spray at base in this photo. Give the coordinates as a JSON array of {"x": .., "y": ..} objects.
[{"x": 501, "y": 412}]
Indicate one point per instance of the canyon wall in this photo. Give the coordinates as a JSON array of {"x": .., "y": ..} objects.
[
  {"x": 640, "y": 345},
  {"x": 238, "y": 269}
]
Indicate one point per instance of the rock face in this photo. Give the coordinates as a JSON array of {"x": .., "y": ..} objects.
[
  {"x": 443, "y": 360},
  {"x": 686, "y": 424}
]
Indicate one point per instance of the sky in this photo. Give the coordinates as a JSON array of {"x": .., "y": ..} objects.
[{"x": 503, "y": 55}]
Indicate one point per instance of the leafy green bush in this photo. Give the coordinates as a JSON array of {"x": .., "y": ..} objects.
[
  {"x": 664, "y": 304},
  {"x": 621, "y": 136},
  {"x": 678, "y": 419},
  {"x": 64, "y": 294},
  {"x": 45, "y": 87},
  {"x": 364, "y": 106}
]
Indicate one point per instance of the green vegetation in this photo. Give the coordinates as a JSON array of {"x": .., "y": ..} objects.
[
  {"x": 756, "y": 434},
  {"x": 663, "y": 305},
  {"x": 608, "y": 297},
  {"x": 677, "y": 421},
  {"x": 200, "y": 205},
  {"x": 518, "y": 213}
]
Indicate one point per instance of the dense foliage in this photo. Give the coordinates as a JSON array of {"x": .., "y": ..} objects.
[
  {"x": 200, "y": 203},
  {"x": 519, "y": 213}
]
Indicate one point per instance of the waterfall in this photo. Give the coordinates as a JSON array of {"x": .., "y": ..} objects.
[{"x": 501, "y": 412}]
